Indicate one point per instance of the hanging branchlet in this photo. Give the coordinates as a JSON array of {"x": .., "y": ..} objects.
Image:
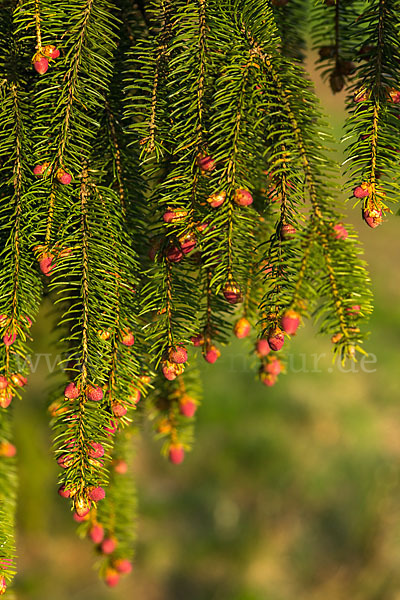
[
  {"x": 373, "y": 125},
  {"x": 336, "y": 33}
]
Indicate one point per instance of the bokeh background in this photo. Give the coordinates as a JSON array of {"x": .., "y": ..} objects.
[{"x": 290, "y": 493}]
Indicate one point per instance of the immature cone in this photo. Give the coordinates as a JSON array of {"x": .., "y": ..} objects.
[
  {"x": 276, "y": 339},
  {"x": 95, "y": 393},
  {"x": 205, "y": 162},
  {"x": 262, "y": 347},
  {"x": 18, "y": 379},
  {"x": 268, "y": 379},
  {"x": 111, "y": 577},
  {"x": 353, "y": 310},
  {"x": 5, "y": 398},
  {"x": 362, "y": 191},
  {"x": 9, "y": 338},
  {"x": 287, "y": 231},
  {"x": 41, "y": 170},
  {"x": 123, "y": 566},
  {"x": 187, "y": 242},
  {"x": 216, "y": 199},
  {"x": 174, "y": 215},
  {"x": 71, "y": 391},
  {"x": 187, "y": 406},
  {"x": 63, "y": 177},
  {"x": 197, "y": 340},
  {"x": 134, "y": 396},
  {"x": 212, "y": 354},
  {"x": 178, "y": 355},
  {"x": 118, "y": 409},
  {"x": 51, "y": 52},
  {"x": 82, "y": 507},
  {"x": 232, "y": 293},
  {"x": 64, "y": 493},
  {"x": 242, "y": 328},
  {"x": 127, "y": 338},
  {"x": 273, "y": 366},
  {"x": 243, "y": 198},
  {"x": 176, "y": 454},
  {"x": 96, "y": 450},
  {"x": 171, "y": 370},
  {"x": 108, "y": 545},
  {"x": 341, "y": 232},
  {"x": 3, "y": 382},
  {"x": 373, "y": 217},
  {"x": 46, "y": 264},
  {"x": 3, "y": 585},
  {"x": 7, "y": 449},
  {"x": 174, "y": 254},
  {"x": 96, "y": 494},
  {"x": 40, "y": 63},
  {"x": 65, "y": 460},
  {"x": 96, "y": 533},
  {"x": 121, "y": 467},
  {"x": 290, "y": 321}
]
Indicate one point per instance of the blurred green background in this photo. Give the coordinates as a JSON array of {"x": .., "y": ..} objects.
[{"x": 291, "y": 492}]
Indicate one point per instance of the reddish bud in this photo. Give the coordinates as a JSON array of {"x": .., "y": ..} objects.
[
  {"x": 134, "y": 396},
  {"x": 63, "y": 177},
  {"x": 353, "y": 310},
  {"x": 82, "y": 507},
  {"x": 232, "y": 293},
  {"x": 108, "y": 545},
  {"x": 123, "y": 566},
  {"x": 64, "y": 493},
  {"x": 176, "y": 454},
  {"x": 174, "y": 254},
  {"x": 212, "y": 354},
  {"x": 362, "y": 191},
  {"x": 262, "y": 347},
  {"x": 96, "y": 494},
  {"x": 171, "y": 370},
  {"x": 111, "y": 577},
  {"x": 273, "y": 366},
  {"x": 118, "y": 409},
  {"x": 40, "y": 64},
  {"x": 205, "y": 162},
  {"x": 243, "y": 198},
  {"x": 287, "y": 231},
  {"x": 65, "y": 460},
  {"x": 268, "y": 379},
  {"x": 187, "y": 406},
  {"x": 71, "y": 391},
  {"x": 9, "y": 338},
  {"x": 178, "y": 355},
  {"x": 79, "y": 519},
  {"x": 51, "y": 52},
  {"x": 96, "y": 533},
  {"x": 5, "y": 398},
  {"x": 216, "y": 199},
  {"x": 290, "y": 321},
  {"x": 341, "y": 232},
  {"x": 112, "y": 427},
  {"x": 7, "y": 449},
  {"x": 3, "y": 382},
  {"x": 188, "y": 242},
  {"x": 96, "y": 450},
  {"x": 3, "y": 585},
  {"x": 373, "y": 217},
  {"x": 18, "y": 379},
  {"x": 242, "y": 328},
  {"x": 42, "y": 170},
  {"x": 174, "y": 215},
  {"x": 127, "y": 338},
  {"x": 276, "y": 339},
  {"x": 121, "y": 467},
  {"x": 197, "y": 340},
  {"x": 46, "y": 264},
  {"x": 94, "y": 393}
]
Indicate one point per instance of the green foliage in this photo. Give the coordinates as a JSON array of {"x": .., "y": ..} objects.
[{"x": 165, "y": 116}]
